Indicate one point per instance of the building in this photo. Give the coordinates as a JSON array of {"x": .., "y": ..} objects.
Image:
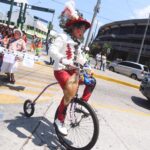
[
  {"x": 31, "y": 26},
  {"x": 125, "y": 38}
]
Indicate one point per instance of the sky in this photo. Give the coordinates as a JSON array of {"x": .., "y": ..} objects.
[{"x": 110, "y": 10}]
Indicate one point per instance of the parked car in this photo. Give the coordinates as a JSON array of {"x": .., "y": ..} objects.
[
  {"x": 145, "y": 87},
  {"x": 129, "y": 68}
]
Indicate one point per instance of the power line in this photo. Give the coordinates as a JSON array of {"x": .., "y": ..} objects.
[
  {"x": 87, "y": 12},
  {"x": 104, "y": 18},
  {"x": 127, "y": 2}
]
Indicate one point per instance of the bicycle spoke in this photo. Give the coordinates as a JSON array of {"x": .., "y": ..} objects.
[{"x": 80, "y": 123}]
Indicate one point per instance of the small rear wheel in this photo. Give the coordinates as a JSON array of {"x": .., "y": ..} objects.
[
  {"x": 82, "y": 125},
  {"x": 28, "y": 108}
]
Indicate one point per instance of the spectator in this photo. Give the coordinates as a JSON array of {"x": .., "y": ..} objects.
[
  {"x": 17, "y": 44},
  {"x": 103, "y": 62},
  {"x": 5, "y": 41},
  {"x": 49, "y": 45},
  {"x": 86, "y": 54},
  {"x": 97, "y": 60},
  {"x": 38, "y": 47},
  {"x": 24, "y": 36},
  {"x": 34, "y": 38}
]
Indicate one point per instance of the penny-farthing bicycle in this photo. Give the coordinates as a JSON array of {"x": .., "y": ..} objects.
[{"x": 81, "y": 122}]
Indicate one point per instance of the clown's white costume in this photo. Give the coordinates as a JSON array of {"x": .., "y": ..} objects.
[{"x": 63, "y": 52}]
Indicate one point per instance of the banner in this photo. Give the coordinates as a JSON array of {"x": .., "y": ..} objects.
[
  {"x": 28, "y": 60},
  {"x": 9, "y": 58}
]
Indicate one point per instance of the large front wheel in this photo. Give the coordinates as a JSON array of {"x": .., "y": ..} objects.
[{"x": 82, "y": 125}]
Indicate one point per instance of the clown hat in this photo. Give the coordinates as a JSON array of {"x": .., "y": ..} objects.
[{"x": 70, "y": 16}]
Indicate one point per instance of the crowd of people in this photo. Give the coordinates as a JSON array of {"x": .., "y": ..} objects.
[{"x": 13, "y": 39}]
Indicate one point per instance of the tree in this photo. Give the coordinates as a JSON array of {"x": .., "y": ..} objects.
[
  {"x": 95, "y": 48},
  {"x": 106, "y": 48}
]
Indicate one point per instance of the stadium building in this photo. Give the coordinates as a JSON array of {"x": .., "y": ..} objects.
[{"x": 125, "y": 38}]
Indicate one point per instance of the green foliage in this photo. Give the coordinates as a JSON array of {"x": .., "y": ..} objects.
[
  {"x": 106, "y": 48},
  {"x": 95, "y": 48}
]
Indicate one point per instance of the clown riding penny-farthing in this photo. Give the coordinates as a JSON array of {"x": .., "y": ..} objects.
[{"x": 76, "y": 124}]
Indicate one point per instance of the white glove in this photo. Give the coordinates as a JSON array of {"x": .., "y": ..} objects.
[{"x": 65, "y": 61}]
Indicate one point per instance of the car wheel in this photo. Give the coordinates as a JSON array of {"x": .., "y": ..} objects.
[
  {"x": 134, "y": 76},
  {"x": 111, "y": 69}
]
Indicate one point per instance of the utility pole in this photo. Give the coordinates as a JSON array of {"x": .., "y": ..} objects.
[
  {"x": 20, "y": 14},
  {"x": 144, "y": 36},
  {"x": 23, "y": 17},
  {"x": 96, "y": 10},
  {"x": 10, "y": 12},
  {"x": 48, "y": 33},
  {"x": 96, "y": 28}
]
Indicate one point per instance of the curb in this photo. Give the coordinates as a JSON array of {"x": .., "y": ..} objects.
[{"x": 116, "y": 81}]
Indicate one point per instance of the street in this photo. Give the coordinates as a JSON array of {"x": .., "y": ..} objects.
[{"x": 122, "y": 110}]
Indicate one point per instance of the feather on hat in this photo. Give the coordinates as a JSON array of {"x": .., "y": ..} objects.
[{"x": 70, "y": 16}]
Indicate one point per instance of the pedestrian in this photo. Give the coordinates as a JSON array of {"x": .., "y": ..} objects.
[
  {"x": 86, "y": 54},
  {"x": 5, "y": 40},
  {"x": 64, "y": 51},
  {"x": 24, "y": 36},
  {"x": 32, "y": 46},
  {"x": 103, "y": 62},
  {"x": 38, "y": 47},
  {"x": 97, "y": 60},
  {"x": 49, "y": 45},
  {"x": 17, "y": 44}
]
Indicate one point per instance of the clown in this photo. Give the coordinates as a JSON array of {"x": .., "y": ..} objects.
[{"x": 65, "y": 50}]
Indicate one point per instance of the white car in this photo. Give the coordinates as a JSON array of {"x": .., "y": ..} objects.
[{"x": 129, "y": 68}]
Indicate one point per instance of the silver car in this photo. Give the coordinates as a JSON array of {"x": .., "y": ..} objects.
[
  {"x": 129, "y": 68},
  {"x": 145, "y": 87}
]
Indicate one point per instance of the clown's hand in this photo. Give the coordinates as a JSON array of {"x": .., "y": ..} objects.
[{"x": 87, "y": 68}]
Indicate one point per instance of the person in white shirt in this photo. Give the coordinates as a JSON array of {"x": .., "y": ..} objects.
[
  {"x": 103, "y": 62},
  {"x": 64, "y": 51},
  {"x": 97, "y": 60},
  {"x": 16, "y": 44}
]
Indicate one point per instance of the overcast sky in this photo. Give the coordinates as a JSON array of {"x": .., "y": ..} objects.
[{"x": 110, "y": 10}]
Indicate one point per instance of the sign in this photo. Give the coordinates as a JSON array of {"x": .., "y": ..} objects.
[
  {"x": 28, "y": 61},
  {"x": 9, "y": 58},
  {"x": 2, "y": 49}
]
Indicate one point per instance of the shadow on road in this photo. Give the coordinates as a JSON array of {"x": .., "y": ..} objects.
[
  {"x": 38, "y": 129},
  {"x": 4, "y": 82},
  {"x": 141, "y": 102}
]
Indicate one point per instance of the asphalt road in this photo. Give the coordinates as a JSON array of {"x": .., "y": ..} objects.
[{"x": 123, "y": 112}]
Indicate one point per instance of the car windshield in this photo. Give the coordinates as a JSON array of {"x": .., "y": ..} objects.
[{"x": 146, "y": 69}]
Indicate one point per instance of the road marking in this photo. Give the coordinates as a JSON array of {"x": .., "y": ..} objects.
[
  {"x": 116, "y": 81},
  {"x": 130, "y": 111},
  {"x": 38, "y": 86},
  {"x": 11, "y": 99}
]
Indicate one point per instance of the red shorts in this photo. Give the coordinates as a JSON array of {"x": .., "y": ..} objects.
[{"x": 62, "y": 76}]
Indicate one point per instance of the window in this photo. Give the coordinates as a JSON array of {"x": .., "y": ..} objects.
[
  {"x": 129, "y": 64},
  {"x": 146, "y": 69},
  {"x": 135, "y": 66},
  {"x": 123, "y": 63}
]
